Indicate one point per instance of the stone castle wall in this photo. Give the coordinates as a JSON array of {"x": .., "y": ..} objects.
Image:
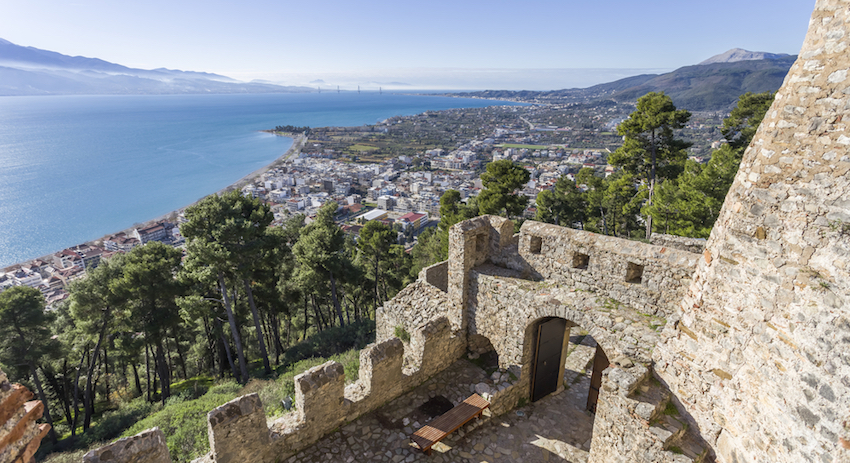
[
  {"x": 238, "y": 429},
  {"x": 20, "y": 435},
  {"x": 423, "y": 300},
  {"x": 761, "y": 355},
  {"x": 649, "y": 278}
]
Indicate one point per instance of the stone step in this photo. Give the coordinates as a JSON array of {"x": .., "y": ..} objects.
[
  {"x": 691, "y": 447},
  {"x": 654, "y": 398},
  {"x": 668, "y": 429}
]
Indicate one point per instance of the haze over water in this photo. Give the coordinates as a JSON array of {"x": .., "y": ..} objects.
[{"x": 76, "y": 168}]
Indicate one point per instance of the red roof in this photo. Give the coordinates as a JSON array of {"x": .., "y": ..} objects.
[{"x": 411, "y": 216}]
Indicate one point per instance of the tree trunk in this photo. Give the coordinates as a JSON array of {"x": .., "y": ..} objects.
[
  {"x": 320, "y": 321},
  {"x": 105, "y": 364},
  {"x": 336, "y": 299},
  {"x": 43, "y": 399},
  {"x": 226, "y": 347},
  {"x": 164, "y": 372},
  {"x": 136, "y": 377},
  {"x": 60, "y": 389},
  {"x": 304, "y": 336},
  {"x": 88, "y": 400},
  {"x": 243, "y": 367},
  {"x": 651, "y": 183},
  {"x": 258, "y": 327},
  {"x": 180, "y": 357},
  {"x": 77, "y": 391},
  {"x": 278, "y": 347},
  {"x": 147, "y": 372}
]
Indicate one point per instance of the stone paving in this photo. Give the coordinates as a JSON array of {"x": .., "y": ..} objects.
[{"x": 554, "y": 429}]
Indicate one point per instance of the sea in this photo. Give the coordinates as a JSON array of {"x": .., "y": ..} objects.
[{"x": 76, "y": 168}]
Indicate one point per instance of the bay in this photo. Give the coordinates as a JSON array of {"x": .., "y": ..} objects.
[{"x": 76, "y": 168}]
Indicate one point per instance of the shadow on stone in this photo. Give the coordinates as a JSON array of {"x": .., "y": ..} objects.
[{"x": 436, "y": 406}]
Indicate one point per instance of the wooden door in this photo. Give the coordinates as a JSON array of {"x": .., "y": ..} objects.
[{"x": 547, "y": 358}]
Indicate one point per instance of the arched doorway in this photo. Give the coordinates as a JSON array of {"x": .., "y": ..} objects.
[{"x": 549, "y": 342}]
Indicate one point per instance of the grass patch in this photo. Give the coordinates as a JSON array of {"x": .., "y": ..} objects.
[
  {"x": 361, "y": 147},
  {"x": 402, "y": 334},
  {"x": 670, "y": 409}
]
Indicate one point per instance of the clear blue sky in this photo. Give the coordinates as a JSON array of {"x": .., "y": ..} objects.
[{"x": 273, "y": 39}]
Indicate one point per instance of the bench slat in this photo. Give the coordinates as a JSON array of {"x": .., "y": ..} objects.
[{"x": 449, "y": 422}]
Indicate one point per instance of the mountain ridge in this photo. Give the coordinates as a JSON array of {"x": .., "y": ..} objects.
[
  {"x": 33, "y": 71},
  {"x": 698, "y": 87},
  {"x": 739, "y": 54}
]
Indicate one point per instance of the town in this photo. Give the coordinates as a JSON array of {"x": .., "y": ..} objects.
[{"x": 395, "y": 172}]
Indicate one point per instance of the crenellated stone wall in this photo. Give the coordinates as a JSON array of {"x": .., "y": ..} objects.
[
  {"x": 649, "y": 278},
  {"x": 20, "y": 435},
  {"x": 238, "y": 429},
  {"x": 423, "y": 300},
  {"x": 761, "y": 355}
]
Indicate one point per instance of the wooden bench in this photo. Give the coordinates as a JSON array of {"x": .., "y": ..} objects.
[{"x": 449, "y": 422}]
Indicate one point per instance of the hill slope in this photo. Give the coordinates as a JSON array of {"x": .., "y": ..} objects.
[
  {"x": 711, "y": 87},
  {"x": 701, "y": 87}
]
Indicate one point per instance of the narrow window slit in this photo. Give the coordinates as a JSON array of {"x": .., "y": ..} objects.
[
  {"x": 536, "y": 244},
  {"x": 634, "y": 273},
  {"x": 580, "y": 261}
]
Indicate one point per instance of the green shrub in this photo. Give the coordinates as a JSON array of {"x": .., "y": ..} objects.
[
  {"x": 184, "y": 422},
  {"x": 113, "y": 422},
  {"x": 332, "y": 341},
  {"x": 402, "y": 334}
]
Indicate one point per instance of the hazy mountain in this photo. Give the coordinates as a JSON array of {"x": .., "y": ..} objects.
[
  {"x": 712, "y": 87},
  {"x": 701, "y": 87},
  {"x": 739, "y": 54},
  {"x": 31, "y": 71}
]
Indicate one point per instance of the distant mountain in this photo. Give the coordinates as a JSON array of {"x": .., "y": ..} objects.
[
  {"x": 31, "y": 71},
  {"x": 739, "y": 54},
  {"x": 701, "y": 87},
  {"x": 713, "y": 87}
]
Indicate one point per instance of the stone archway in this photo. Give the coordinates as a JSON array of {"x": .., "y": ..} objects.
[{"x": 546, "y": 351}]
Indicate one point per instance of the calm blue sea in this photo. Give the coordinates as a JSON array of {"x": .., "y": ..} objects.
[{"x": 75, "y": 168}]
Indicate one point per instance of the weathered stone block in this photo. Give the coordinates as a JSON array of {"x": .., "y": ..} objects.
[
  {"x": 238, "y": 431},
  {"x": 146, "y": 447}
]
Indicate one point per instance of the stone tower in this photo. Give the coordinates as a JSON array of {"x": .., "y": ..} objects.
[{"x": 761, "y": 354}]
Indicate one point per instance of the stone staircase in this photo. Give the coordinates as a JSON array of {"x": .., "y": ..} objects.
[{"x": 665, "y": 421}]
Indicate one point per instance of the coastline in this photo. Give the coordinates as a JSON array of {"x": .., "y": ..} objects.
[{"x": 298, "y": 142}]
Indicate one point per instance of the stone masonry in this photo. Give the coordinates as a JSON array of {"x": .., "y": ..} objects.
[
  {"x": 761, "y": 355},
  {"x": 738, "y": 351}
]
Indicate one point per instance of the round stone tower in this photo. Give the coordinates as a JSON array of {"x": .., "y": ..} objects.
[{"x": 760, "y": 356}]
